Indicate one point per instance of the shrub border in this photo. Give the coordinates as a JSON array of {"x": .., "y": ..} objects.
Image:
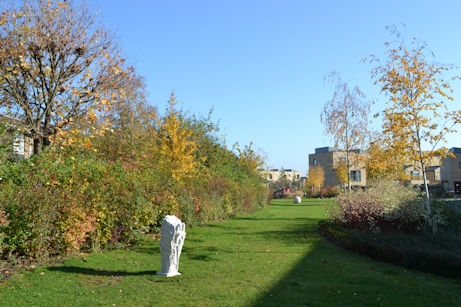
[{"x": 425, "y": 262}]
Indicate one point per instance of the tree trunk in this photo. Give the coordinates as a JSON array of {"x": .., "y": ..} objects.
[
  {"x": 348, "y": 172},
  {"x": 426, "y": 188},
  {"x": 37, "y": 145},
  {"x": 40, "y": 142}
]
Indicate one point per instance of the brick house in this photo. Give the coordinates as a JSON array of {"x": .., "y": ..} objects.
[
  {"x": 450, "y": 172},
  {"x": 328, "y": 159}
]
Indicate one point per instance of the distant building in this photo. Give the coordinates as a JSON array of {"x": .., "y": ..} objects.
[
  {"x": 433, "y": 174},
  {"x": 450, "y": 172},
  {"x": 328, "y": 159},
  {"x": 274, "y": 175},
  {"x": 415, "y": 172},
  {"x": 23, "y": 145}
]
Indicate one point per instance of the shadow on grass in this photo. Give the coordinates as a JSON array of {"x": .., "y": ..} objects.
[
  {"x": 294, "y": 205},
  {"x": 224, "y": 226},
  {"x": 87, "y": 271},
  {"x": 272, "y": 219},
  {"x": 147, "y": 250},
  {"x": 199, "y": 254},
  {"x": 304, "y": 228},
  {"x": 329, "y": 276}
]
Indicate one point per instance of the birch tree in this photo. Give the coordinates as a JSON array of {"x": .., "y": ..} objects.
[
  {"x": 344, "y": 117},
  {"x": 418, "y": 99}
]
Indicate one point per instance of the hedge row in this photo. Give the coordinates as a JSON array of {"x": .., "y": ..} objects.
[{"x": 94, "y": 189}]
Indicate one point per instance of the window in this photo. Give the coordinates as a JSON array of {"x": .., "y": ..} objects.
[
  {"x": 415, "y": 174},
  {"x": 314, "y": 162},
  {"x": 297, "y": 176},
  {"x": 459, "y": 164},
  {"x": 356, "y": 176},
  {"x": 270, "y": 176},
  {"x": 342, "y": 159}
]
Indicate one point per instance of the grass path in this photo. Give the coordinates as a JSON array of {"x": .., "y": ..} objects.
[{"x": 271, "y": 258}]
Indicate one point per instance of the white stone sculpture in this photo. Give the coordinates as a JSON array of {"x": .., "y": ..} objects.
[
  {"x": 173, "y": 234},
  {"x": 297, "y": 200}
]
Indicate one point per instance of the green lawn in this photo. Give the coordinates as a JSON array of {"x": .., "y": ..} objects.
[{"x": 273, "y": 257}]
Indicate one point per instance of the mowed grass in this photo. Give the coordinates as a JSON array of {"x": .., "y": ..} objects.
[{"x": 273, "y": 257}]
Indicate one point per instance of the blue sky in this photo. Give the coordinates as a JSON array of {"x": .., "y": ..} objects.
[{"x": 261, "y": 64}]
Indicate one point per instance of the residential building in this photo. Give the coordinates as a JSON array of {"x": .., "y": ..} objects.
[
  {"x": 274, "y": 175},
  {"x": 433, "y": 174},
  {"x": 450, "y": 171},
  {"x": 23, "y": 145},
  {"x": 329, "y": 159},
  {"x": 415, "y": 172}
]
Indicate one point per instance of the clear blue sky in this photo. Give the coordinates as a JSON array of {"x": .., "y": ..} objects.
[{"x": 261, "y": 64}]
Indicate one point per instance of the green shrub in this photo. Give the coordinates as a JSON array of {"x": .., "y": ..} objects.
[{"x": 448, "y": 218}]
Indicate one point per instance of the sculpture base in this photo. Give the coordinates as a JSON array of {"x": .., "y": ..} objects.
[{"x": 168, "y": 274}]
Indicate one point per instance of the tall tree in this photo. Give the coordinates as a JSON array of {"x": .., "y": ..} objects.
[
  {"x": 56, "y": 66},
  {"x": 417, "y": 106},
  {"x": 344, "y": 117},
  {"x": 176, "y": 147}
]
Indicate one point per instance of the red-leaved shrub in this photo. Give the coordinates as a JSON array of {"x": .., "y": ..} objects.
[{"x": 385, "y": 205}]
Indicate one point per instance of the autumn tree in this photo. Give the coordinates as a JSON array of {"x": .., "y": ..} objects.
[
  {"x": 250, "y": 159},
  {"x": 418, "y": 99},
  {"x": 130, "y": 125},
  {"x": 176, "y": 148},
  {"x": 385, "y": 159},
  {"x": 341, "y": 172},
  {"x": 56, "y": 66},
  {"x": 315, "y": 178},
  {"x": 344, "y": 117}
]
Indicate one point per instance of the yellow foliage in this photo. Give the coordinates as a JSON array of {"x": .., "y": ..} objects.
[
  {"x": 341, "y": 172},
  {"x": 315, "y": 178},
  {"x": 416, "y": 114},
  {"x": 175, "y": 146},
  {"x": 249, "y": 159},
  {"x": 417, "y": 99},
  {"x": 384, "y": 161}
]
